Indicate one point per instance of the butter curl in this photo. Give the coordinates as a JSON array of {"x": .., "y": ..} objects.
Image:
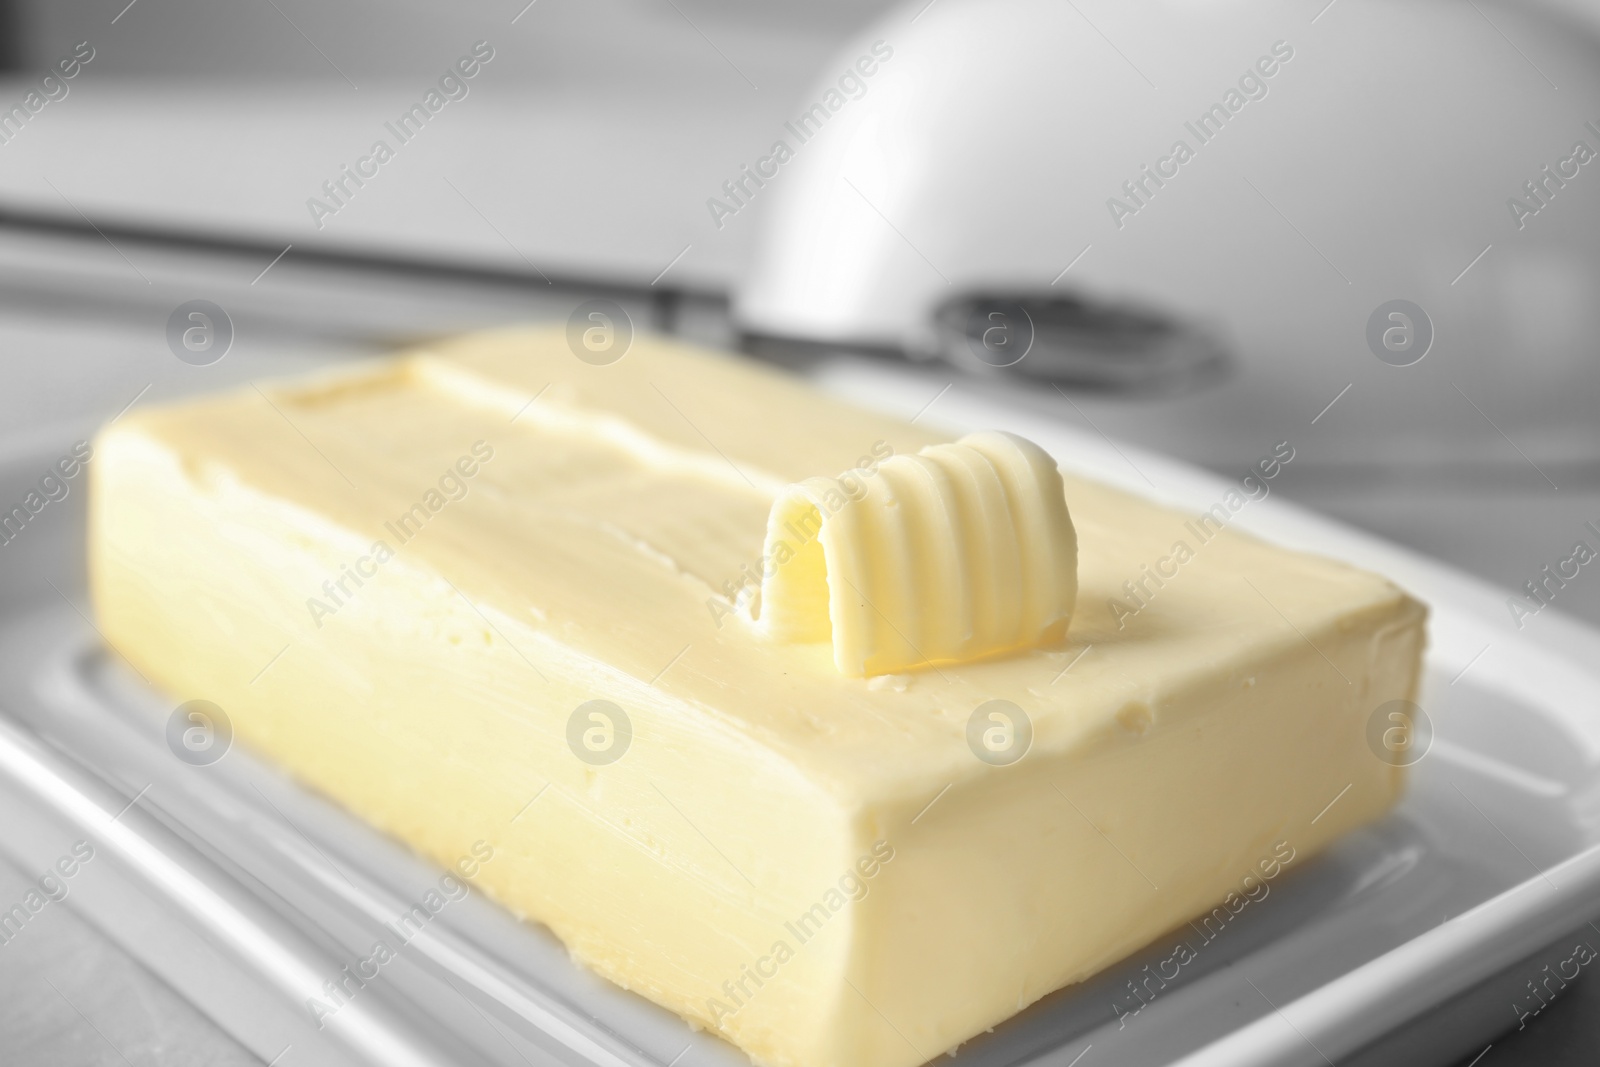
[{"x": 960, "y": 552}]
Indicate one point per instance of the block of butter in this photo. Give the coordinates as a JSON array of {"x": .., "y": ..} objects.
[{"x": 490, "y": 592}]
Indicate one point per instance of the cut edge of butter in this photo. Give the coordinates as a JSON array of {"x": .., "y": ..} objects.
[{"x": 960, "y": 552}]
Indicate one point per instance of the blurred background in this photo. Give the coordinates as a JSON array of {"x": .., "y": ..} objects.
[
  {"x": 181, "y": 160},
  {"x": 200, "y": 151}
]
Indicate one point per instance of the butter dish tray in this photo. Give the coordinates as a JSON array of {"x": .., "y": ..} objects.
[{"x": 1416, "y": 940}]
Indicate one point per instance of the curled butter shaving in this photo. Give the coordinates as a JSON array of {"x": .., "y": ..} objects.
[{"x": 959, "y": 552}]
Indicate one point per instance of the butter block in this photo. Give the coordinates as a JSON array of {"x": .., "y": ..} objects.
[{"x": 507, "y": 589}]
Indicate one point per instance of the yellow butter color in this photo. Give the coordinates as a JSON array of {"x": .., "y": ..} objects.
[
  {"x": 459, "y": 552},
  {"x": 961, "y": 551}
]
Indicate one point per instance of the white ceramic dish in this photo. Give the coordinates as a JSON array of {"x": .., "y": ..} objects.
[{"x": 1410, "y": 942}]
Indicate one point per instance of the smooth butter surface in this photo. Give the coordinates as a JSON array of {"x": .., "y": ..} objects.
[{"x": 610, "y": 517}]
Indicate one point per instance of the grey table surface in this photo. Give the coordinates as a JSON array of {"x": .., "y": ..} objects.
[{"x": 70, "y": 998}]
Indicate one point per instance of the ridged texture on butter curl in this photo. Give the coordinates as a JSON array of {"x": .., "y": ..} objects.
[{"x": 959, "y": 552}]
